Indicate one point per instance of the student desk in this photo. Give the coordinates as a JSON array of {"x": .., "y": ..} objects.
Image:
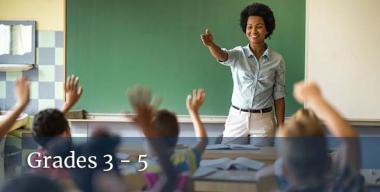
[
  {"x": 236, "y": 180},
  {"x": 222, "y": 180},
  {"x": 266, "y": 154},
  {"x": 227, "y": 180},
  {"x": 233, "y": 180}
]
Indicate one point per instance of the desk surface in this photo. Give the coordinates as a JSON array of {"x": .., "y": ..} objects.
[
  {"x": 229, "y": 176},
  {"x": 266, "y": 154},
  {"x": 224, "y": 180},
  {"x": 263, "y": 154},
  {"x": 234, "y": 180}
]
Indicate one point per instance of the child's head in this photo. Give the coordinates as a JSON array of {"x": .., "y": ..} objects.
[
  {"x": 260, "y": 10},
  {"x": 303, "y": 148},
  {"x": 48, "y": 124},
  {"x": 303, "y": 123},
  {"x": 167, "y": 125}
]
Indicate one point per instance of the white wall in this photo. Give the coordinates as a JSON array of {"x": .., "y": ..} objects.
[
  {"x": 342, "y": 54},
  {"x": 49, "y": 14}
]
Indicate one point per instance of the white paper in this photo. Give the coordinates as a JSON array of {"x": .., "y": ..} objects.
[
  {"x": 5, "y": 39},
  {"x": 204, "y": 171},
  {"x": 240, "y": 146},
  {"x": 21, "y": 39},
  {"x": 249, "y": 163},
  {"x": 231, "y": 146},
  {"x": 215, "y": 163},
  {"x": 240, "y": 163},
  {"x": 217, "y": 146}
]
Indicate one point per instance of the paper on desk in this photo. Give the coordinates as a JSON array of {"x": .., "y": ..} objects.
[
  {"x": 371, "y": 176},
  {"x": 21, "y": 39},
  {"x": 240, "y": 146},
  {"x": 215, "y": 163},
  {"x": 217, "y": 146},
  {"x": 204, "y": 171},
  {"x": 240, "y": 163},
  {"x": 248, "y": 163},
  {"x": 231, "y": 146},
  {"x": 5, "y": 39}
]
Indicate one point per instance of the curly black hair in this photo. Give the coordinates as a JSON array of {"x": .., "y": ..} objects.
[
  {"x": 261, "y": 10},
  {"x": 48, "y": 124}
]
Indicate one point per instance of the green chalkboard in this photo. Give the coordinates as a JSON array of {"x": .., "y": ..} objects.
[{"x": 115, "y": 44}]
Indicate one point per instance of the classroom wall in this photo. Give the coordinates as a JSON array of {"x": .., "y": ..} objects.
[
  {"x": 49, "y": 14},
  {"x": 46, "y": 80},
  {"x": 341, "y": 54}
]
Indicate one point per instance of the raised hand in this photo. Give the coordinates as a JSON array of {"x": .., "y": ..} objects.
[
  {"x": 207, "y": 38},
  {"x": 72, "y": 92},
  {"x": 140, "y": 95},
  {"x": 195, "y": 101},
  {"x": 140, "y": 98},
  {"x": 305, "y": 91},
  {"x": 22, "y": 91}
]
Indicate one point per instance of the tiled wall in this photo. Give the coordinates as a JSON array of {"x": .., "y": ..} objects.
[{"x": 46, "y": 80}]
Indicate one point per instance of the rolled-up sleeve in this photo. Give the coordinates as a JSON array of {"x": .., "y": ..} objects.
[
  {"x": 233, "y": 54},
  {"x": 279, "y": 85}
]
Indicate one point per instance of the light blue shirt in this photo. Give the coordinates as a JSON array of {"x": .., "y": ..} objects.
[{"x": 257, "y": 83}]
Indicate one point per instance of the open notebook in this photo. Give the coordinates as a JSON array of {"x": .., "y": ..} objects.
[
  {"x": 231, "y": 146},
  {"x": 240, "y": 163}
]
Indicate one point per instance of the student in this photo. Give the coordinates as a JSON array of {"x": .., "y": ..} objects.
[
  {"x": 304, "y": 163},
  {"x": 50, "y": 124},
  {"x": 22, "y": 100},
  {"x": 102, "y": 148},
  {"x": 166, "y": 127},
  {"x": 167, "y": 179},
  {"x": 32, "y": 182},
  {"x": 101, "y": 144},
  {"x": 258, "y": 79}
]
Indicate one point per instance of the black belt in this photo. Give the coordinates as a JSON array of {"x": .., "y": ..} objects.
[{"x": 265, "y": 110}]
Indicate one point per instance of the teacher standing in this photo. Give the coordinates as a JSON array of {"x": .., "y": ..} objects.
[{"x": 258, "y": 74}]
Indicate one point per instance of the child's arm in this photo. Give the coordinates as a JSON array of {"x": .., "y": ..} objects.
[
  {"x": 215, "y": 50},
  {"x": 145, "y": 120},
  {"x": 193, "y": 103},
  {"x": 141, "y": 101},
  {"x": 349, "y": 154},
  {"x": 22, "y": 100},
  {"x": 72, "y": 93},
  {"x": 308, "y": 92}
]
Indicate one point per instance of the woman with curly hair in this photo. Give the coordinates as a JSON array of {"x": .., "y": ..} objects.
[{"x": 258, "y": 74}]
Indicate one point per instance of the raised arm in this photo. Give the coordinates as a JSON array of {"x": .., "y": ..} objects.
[
  {"x": 193, "y": 103},
  {"x": 215, "y": 50},
  {"x": 141, "y": 101},
  {"x": 72, "y": 93},
  {"x": 349, "y": 152},
  {"x": 22, "y": 100},
  {"x": 309, "y": 93}
]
